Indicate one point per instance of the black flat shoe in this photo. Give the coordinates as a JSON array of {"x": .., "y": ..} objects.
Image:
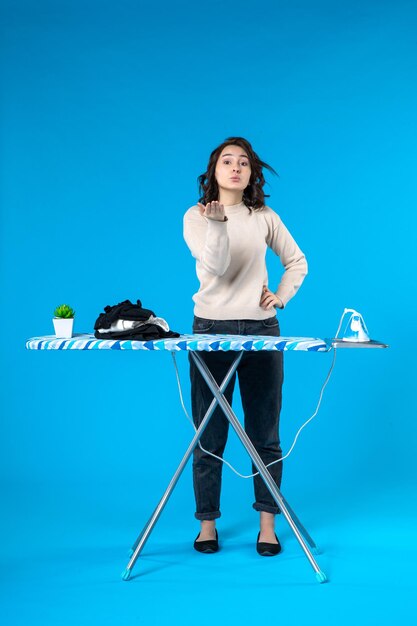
[
  {"x": 268, "y": 549},
  {"x": 208, "y": 546}
]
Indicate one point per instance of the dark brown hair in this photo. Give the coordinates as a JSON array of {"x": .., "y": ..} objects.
[{"x": 253, "y": 195}]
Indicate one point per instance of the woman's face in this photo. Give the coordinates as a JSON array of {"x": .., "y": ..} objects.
[{"x": 233, "y": 169}]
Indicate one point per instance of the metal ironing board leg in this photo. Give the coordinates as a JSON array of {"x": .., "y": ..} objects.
[
  {"x": 257, "y": 461},
  {"x": 144, "y": 535},
  {"x": 314, "y": 547}
]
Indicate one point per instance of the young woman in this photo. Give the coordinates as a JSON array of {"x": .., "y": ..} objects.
[{"x": 228, "y": 232}]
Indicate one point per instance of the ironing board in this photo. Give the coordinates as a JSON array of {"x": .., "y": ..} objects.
[{"x": 209, "y": 342}]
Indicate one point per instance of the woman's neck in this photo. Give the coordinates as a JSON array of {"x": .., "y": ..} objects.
[{"x": 229, "y": 198}]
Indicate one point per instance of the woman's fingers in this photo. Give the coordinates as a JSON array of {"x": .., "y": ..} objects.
[
  {"x": 268, "y": 298},
  {"x": 267, "y": 301},
  {"x": 268, "y": 304},
  {"x": 214, "y": 207},
  {"x": 213, "y": 210},
  {"x": 265, "y": 294}
]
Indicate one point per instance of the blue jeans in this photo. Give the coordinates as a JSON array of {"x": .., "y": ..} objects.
[{"x": 260, "y": 382}]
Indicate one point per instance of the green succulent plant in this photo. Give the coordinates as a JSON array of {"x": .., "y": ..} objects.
[{"x": 64, "y": 311}]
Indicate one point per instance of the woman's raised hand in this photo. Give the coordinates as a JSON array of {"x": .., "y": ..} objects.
[{"x": 213, "y": 210}]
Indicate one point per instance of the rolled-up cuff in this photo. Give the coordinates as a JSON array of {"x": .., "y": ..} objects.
[
  {"x": 207, "y": 516},
  {"x": 266, "y": 508}
]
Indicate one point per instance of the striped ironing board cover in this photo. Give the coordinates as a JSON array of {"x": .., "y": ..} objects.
[{"x": 197, "y": 343}]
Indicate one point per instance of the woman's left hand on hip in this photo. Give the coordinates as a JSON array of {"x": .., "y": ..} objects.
[{"x": 268, "y": 299}]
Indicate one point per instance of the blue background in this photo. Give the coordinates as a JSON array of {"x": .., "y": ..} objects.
[{"x": 109, "y": 112}]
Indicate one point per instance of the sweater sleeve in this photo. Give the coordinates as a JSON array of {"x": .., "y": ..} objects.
[
  {"x": 292, "y": 258},
  {"x": 208, "y": 241}
]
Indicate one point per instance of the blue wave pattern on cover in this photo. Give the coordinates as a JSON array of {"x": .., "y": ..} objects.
[{"x": 196, "y": 343}]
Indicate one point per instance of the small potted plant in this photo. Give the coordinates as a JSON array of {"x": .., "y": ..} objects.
[{"x": 63, "y": 321}]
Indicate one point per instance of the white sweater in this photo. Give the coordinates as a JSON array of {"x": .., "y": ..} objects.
[{"x": 231, "y": 264}]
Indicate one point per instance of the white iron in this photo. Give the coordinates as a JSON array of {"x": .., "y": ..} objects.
[{"x": 355, "y": 328}]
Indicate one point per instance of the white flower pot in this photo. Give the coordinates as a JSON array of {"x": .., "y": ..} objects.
[{"x": 63, "y": 327}]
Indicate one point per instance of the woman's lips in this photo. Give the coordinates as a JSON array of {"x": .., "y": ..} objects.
[{"x": 235, "y": 178}]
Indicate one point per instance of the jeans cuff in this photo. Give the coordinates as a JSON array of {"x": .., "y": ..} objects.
[
  {"x": 207, "y": 516},
  {"x": 266, "y": 508}
]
